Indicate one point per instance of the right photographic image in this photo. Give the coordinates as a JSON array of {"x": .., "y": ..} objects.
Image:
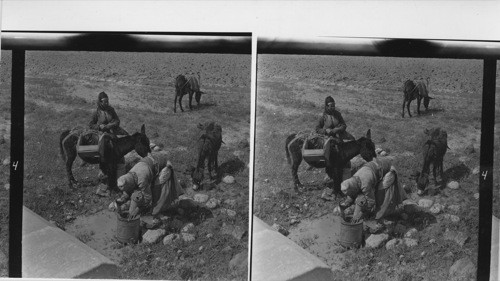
[{"x": 367, "y": 160}]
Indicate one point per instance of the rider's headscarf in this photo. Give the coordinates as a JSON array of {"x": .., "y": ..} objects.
[
  {"x": 328, "y": 100},
  {"x": 101, "y": 95},
  {"x": 351, "y": 187}
]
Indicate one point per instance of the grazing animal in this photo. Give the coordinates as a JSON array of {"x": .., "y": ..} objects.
[
  {"x": 111, "y": 151},
  {"x": 209, "y": 144},
  {"x": 340, "y": 155},
  {"x": 416, "y": 91},
  {"x": 187, "y": 86},
  {"x": 433, "y": 152}
]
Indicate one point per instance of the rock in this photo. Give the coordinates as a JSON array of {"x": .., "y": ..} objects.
[
  {"x": 212, "y": 203},
  {"x": 378, "y": 150},
  {"x": 188, "y": 237},
  {"x": 188, "y": 228},
  {"x": 475, "y": 171},
  {"x": 425, "y": 203},
  {"x": 243, "y": 143},
  {"x": 152, "y": 145},
  {"x": 228, "y": 179},
  {"x": 230, "y": 202},
  {"x": 470, "y": 149},
  {"x": 383, "y": 153},
  {"x": 210, "y": 235},
  {"x": 410, "y": 233},
  {"x": 294, "y": 221},
  {"x": 436, "y": 208},
  {"x": 112, "y": 206},
  {"x": 452, "y": 218},
  {"x": 459, "y": 237},
  {"x": 149, "y": 222},
  {"x": 410, "y": 242},
  {"x": 239, "y": 262},
  {"x": 157, "y": 148},
  {"x": 432, "y": 241},
  {"x": 2, "y": 140},
  {"x": 454, "y": 208},
  {"x": 236, "y": 231},
  {"x": 411, "y": 208},
  {"x": 169, "y": 239},
  {"x": 228, "y": 212},
  {"x": 238, "y": 153},
  {"x": 453, "y": 185},
  {"x": 200, "y": 248},
  {"x": 376, "y": 240},
  {"x": 337, "y": 211},
  {"x": 462, "y": 269},
  {"x": 404, "y": 216},
  {"x": 7, "y": 186},
  {"x": 153, "y": 236},
  {"x": 200, "y": 198},
  {"x": 280, "y": 229},
  {"x": 476, "y": 196},
  {"x": 6, "y": 161},
  {"x": 382, "y": 140},
  {"x": 393, "y": 243},
  {"x": 399, "y": 229}
]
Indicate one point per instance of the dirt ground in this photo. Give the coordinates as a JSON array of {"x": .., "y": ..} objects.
[
  {"x": 368, "y": 92},
  {"x": 61, "y": 90}
]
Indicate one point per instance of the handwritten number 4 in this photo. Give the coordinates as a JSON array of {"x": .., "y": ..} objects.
[
  {"x": 15, "y": 165},
  {"x": 484, "y": 174}
]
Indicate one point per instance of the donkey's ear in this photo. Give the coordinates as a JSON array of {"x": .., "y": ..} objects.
[
  {"x": 369, "y": 134},
  {"x": 143, "y": 129}
]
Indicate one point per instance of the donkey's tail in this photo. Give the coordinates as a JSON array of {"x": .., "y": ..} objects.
[
  {"x": 289, "y": 139},
  {"x": 64, "y": 134}
]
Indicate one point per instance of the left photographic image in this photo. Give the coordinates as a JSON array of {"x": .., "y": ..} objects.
[
  {"x": 136, "y": 155},
  {"x": 5, "y": 120}
]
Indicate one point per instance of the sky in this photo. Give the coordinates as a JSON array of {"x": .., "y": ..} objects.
[{"x": 463, "y": 20}]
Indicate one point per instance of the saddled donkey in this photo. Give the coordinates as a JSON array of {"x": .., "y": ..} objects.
[
  {"x": 433, "y": 153},
  {"x": 187, "y": 86},
  {"x": 111, "y": 151},
  {"x": 339, "y": 155},
  {"x": 415, "y": 90},
  {"x": 209, "y": 144}
]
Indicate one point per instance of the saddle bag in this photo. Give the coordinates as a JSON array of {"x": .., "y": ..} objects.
[
  {"x": 312, "y": 155},
  {"x": 87, "y": 150}
]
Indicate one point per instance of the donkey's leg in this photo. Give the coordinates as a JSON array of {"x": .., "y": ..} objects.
[
  {"x": 408, "y": 108},
  {"x": 180, "y": 102},
  {"x": 296, "y": 160},
  {"x": 210, "y": 166},
  {"x": 112, "y": 176},
  {"x": 175, "y": 103},
  {"x": 419, "y": 100},
  {"x": 69, "y": 151},
  {"x": 190, "y": 100},
  {"x": 216, "y": 163}
]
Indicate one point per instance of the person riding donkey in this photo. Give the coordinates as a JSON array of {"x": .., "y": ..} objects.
[
  {"x": 331, "y": 125},
  {"x": 374, "y": 190},
  {"x": 104, "y": 121},
  {"x": 151, "y": 183}
]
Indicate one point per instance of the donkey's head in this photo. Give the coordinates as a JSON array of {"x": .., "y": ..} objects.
[
  {"x": 142, "y": 142},
  {"x": 367, "y": 150}
]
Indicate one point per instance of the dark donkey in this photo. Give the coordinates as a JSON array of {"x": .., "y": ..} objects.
[
  {"x": 340, "y": 154},
  {"x": 187, "y": 86},
  {"x": 417, "y": 91},
  {"x": 433, "y": 153},
  {"x": 209, "y": 144},
  {"x": 111, "y": 151}
]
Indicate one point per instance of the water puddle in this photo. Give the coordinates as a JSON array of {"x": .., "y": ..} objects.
[
  {"x": 98, "y": 232},
  {"x": 320, "y": 238}
]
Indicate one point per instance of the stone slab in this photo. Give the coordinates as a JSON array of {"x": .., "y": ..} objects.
[
  {"x": 49, "y": 252},
  {"x": 275, "y": 257}
]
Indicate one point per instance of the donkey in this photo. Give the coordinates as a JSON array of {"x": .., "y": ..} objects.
[
  {"x": 416, "y": 91},
  {"x": 111, "y": 151},
  {"x": 187, "y": 86},
  {"x": 337, "y": 156},
  {"x": 433, "y": 152},
  {"x": 209, "y": 144}
]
